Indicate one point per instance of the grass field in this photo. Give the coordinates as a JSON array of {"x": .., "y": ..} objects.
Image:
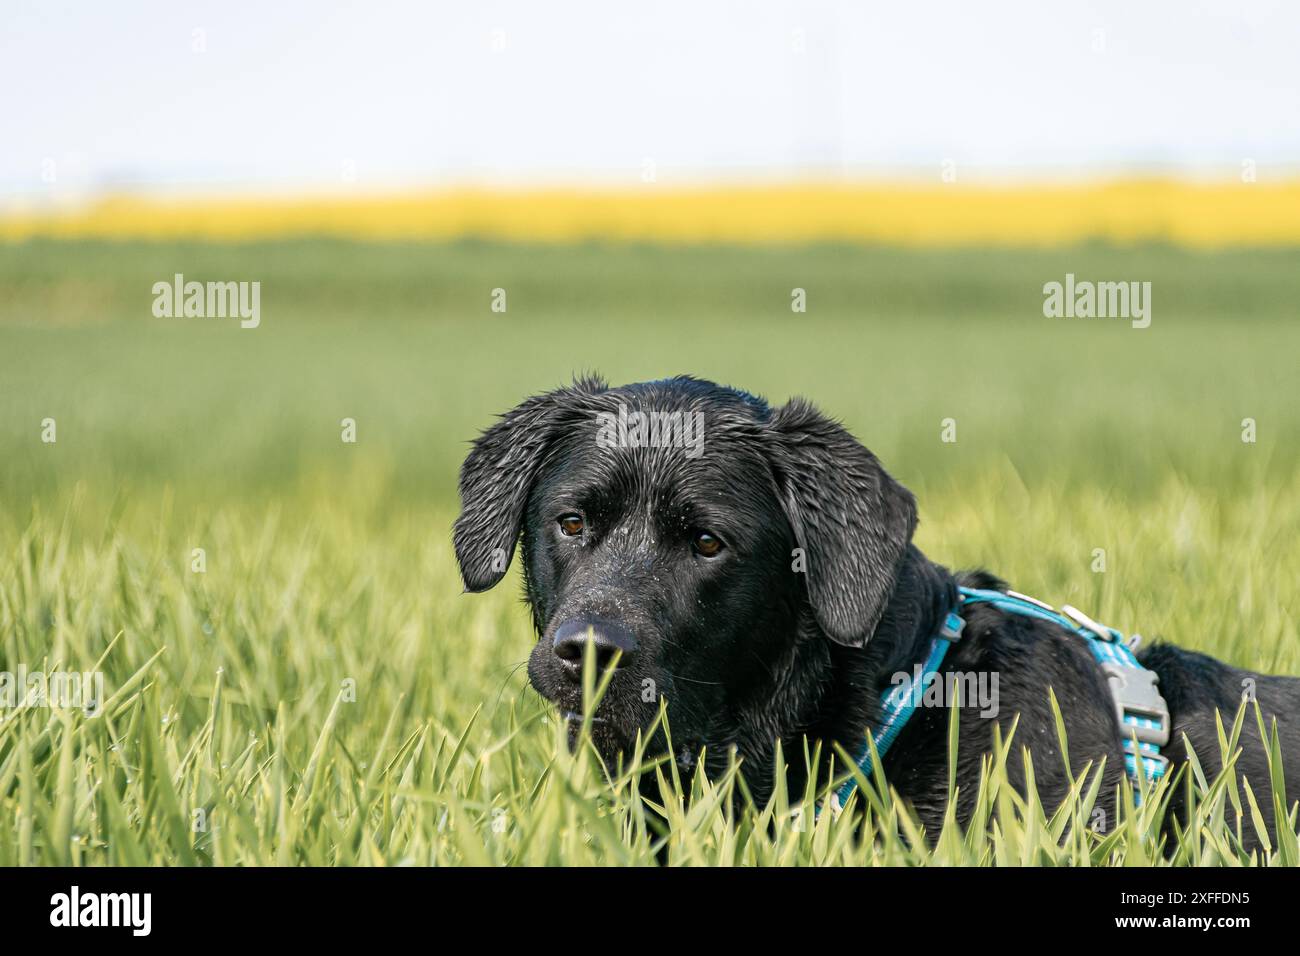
[{"x": 322, "y": 693}]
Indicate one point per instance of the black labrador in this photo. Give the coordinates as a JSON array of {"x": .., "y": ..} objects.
[{"x": 754, "y": 566}]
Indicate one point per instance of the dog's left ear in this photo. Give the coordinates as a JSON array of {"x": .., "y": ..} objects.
[{"x": 853, "y": 521}]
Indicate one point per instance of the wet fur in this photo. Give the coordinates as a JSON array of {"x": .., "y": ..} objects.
[{"x": 752, "y": 652}]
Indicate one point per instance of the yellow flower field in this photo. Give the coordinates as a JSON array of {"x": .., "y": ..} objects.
[{"x": 1203, "y": 215}]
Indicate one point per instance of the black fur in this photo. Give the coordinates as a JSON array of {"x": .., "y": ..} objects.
[{"x": 816, "y": 600}]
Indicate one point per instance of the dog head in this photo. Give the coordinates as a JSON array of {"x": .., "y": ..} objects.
[{"x": 686, "y": 531}]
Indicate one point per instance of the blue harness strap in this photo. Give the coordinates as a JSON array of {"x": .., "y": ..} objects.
[
  {"x": 1141, "y": 711},
  {"x": 898, "y": 705}
]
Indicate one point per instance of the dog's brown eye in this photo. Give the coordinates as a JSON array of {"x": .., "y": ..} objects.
[
  {"x": 706, "y": 544},
  {"x": 571, "y": 524}
]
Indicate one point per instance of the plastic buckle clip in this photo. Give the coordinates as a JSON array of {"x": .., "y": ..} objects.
[
  {"x": 1135, "y": 693},
  {"x": 953, "y": 625}
]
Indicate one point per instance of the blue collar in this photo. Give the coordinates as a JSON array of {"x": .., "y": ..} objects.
[{"x": 1141, "y": 711}]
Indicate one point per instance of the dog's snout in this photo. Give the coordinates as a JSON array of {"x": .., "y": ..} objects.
[{"x": 607, "y": 640}]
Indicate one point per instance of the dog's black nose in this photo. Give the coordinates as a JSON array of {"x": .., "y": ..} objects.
[{"x": 606, "y": 637}]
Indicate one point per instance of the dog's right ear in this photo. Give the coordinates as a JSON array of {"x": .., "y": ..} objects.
[{"x": 497, "y": 476}]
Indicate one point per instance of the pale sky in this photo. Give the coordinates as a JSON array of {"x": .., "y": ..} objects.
[{"x": 327, "y": 96}]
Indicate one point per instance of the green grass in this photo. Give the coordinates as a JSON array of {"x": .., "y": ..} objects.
[{"x": 324, "y": 693}]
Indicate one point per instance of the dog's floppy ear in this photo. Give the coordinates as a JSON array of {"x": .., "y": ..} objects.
[
  {"x": 497, "y": 476},
  {"x": 853, "y": 521}
]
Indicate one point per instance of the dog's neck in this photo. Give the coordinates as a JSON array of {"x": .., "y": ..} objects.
[{"x": 832, "y": 693}]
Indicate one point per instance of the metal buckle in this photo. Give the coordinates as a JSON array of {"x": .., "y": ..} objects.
[{"x": 1134, "y": 690}]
